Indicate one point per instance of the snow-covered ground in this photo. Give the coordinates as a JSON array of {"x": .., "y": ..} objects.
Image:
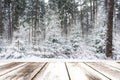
[{"x": 49, "y": 50}]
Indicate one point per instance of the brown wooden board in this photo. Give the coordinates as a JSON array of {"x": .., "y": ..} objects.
[{"x": 106, "y": 70}]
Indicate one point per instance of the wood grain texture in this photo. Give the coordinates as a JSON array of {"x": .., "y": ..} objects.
[
  {"x": 106, "y": 70},
  {"x": 60, "y": 71},
  {"x": 54, "y": 71},
  {"x": 87, "y": 72}
]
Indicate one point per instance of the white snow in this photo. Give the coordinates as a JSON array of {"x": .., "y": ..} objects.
[{"x": 56, "y": 46}]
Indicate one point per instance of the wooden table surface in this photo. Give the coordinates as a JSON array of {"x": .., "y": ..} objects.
[{"x": 60, "y": 71}]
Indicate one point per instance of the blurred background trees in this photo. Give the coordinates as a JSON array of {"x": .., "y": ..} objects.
[{"x": 41, "y": 19}]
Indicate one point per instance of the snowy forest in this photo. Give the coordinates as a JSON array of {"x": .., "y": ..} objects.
[{"x": 60, "y": 29}]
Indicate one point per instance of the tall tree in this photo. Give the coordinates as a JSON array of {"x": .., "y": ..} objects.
[
  {"x": 1, "y": 26},
  {"x": 36, "y": 21},
  {"x": 41, "y": 20},
  {"x": 67, "y": 10},
  {"x": 110, "y": 28},
  {"x": 18, "y": 7},
  {"x": 91, "y": 6},
  {"x": 9, "y": 18}
]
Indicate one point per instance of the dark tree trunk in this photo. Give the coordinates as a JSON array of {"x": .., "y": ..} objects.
[
  {"x": 32, "y": 40},
  {"x": 91, "y": 14},
  {"x": 66, "y": 26},
  {"x": 106, "y": 4},
  {"x": 10, "y": 24},
  {"x": 36, "y": 22},
  {"x": 94, "y": 4},
  {"x": 110, "y": 28},
  {"x": 96, "y": 10},
  {"x": 81, "y": 20},
  {"x": 1, "y": 26}
]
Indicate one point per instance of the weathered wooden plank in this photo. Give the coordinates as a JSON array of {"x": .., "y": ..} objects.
[
  {"x": 26, "y": 72},
  {"x": 80, "y": 71},
  {"x": 75, "y": 72},
  {"x": 107, "y": 71},
  {"x": 113, "y": 64},
  {"x": 5, "y": 63},
  {"x": 60, "y": 71},
  {"x": 53, "y": 71},
  {"x": 10, "y": 67},
  {"x": 91, "y": 73}
]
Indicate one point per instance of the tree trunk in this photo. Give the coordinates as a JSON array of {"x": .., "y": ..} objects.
[
  {"x": 10, "y": 24},
  {"x": 1, "y": 26},
  {"x": 91, "y": 14},
  {"x": 106, "y": 4},
  {"x": 32, "y": 40},
  {"x": 81, "y": 20},
  {"x": 96, "y": 10},
  {"x": 110, "y": 28},
  {"x": 36, "y": 23},
  {"x": 94, "y": 4}
]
